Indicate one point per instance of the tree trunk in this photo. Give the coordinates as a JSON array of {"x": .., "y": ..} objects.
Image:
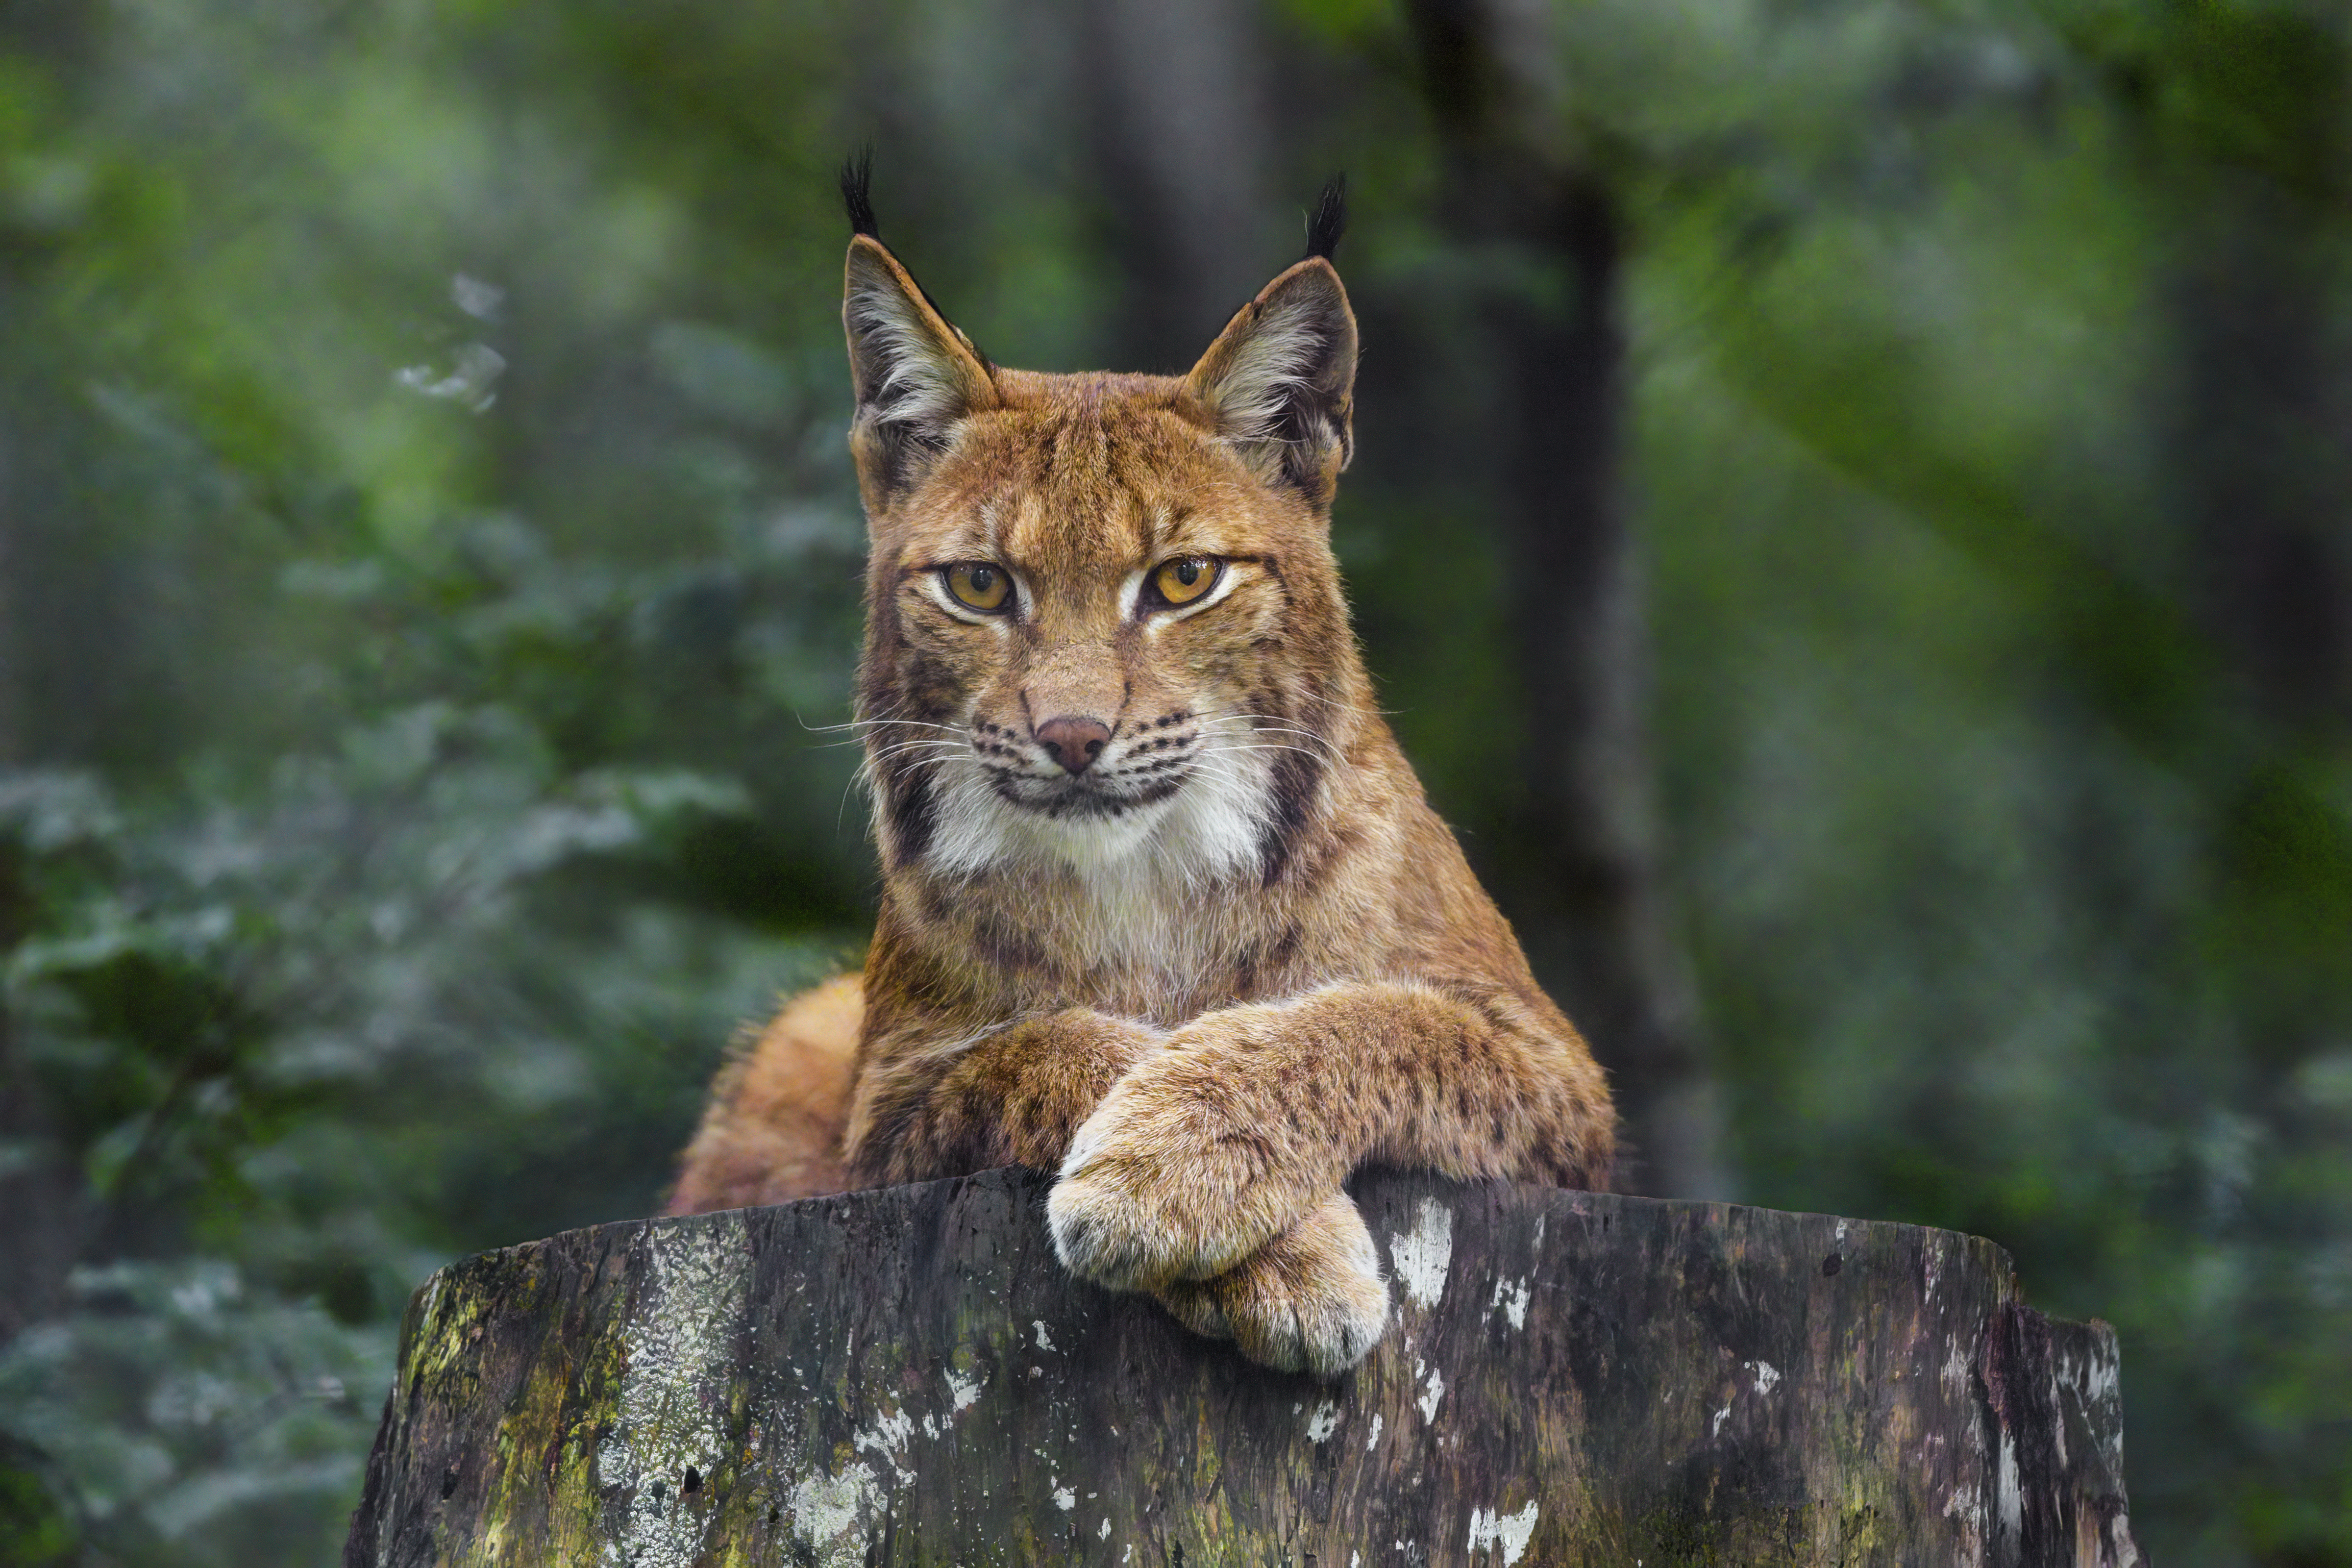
[
  {"x": 2263, "y": 470},
  {"x": 1579, "y": 876},
  {"x": 1169, "y": 92},
  {"x": 906, "y": 1377}
]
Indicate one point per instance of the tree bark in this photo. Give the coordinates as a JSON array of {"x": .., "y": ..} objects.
[
  {"x": 1170, "y": 91},
  {"x": 2263, "y": 468},
  {"x": 1580, "y": 875},
  {"x": 906, "y": 1377}
]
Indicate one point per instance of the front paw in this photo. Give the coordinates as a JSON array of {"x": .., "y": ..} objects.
[
  {"x": 1128, "y": 1225},
  {"x": 1159, "y": 1186},
  {"x": 1310, "y": 1301}
]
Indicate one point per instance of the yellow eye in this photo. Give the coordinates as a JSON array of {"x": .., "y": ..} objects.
[
  {"x": 978, "y": 585},
  {"x": 1181, "y": 581}
]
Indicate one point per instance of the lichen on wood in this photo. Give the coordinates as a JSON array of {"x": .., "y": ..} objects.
[{"x": 906, "y": 1377}]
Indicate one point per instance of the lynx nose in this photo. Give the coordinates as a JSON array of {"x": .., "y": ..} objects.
[{"x": 1075, "y": 743}]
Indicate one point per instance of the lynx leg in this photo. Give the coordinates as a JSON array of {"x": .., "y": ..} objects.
[{"x": 1312, "y": 1299}]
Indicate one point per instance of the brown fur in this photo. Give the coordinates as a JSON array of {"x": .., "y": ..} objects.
[
  {"x": 1283, "y": 972},
  {"x": 772, "y": 1129}
]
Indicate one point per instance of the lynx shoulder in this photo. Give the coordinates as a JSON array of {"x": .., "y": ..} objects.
[{"x": 1164, "y": 910}]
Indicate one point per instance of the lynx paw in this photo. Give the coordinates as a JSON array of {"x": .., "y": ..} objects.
[
  {"x": 1123, "y": 1229},
  {"x": 1159, "y": 1187},
  {"x": 1310, "y": 1301}
]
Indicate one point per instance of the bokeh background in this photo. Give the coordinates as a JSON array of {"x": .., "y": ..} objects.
[{"x": 1850, "y": 523}]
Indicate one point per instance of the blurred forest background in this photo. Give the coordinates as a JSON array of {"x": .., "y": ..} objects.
[{"x": 1854, "y": 521}]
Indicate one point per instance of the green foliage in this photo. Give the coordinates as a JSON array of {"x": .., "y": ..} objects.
[
  {"x": 420, "y": 803},
  {"x": 429, "y": 556},
  {"x": 199, "y": 1422},
  {"x": 417, "y": 998}
]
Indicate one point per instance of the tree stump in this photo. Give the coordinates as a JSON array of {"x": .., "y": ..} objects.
[{"x": 908, "y": 1377}]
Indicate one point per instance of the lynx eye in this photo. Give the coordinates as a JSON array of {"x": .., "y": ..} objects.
[
  {"x": 1185, "y": 579},
  {"x": 978, "y": 585}
]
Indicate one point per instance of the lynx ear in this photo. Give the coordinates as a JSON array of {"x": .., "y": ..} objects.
[
  {"x": 1280, "y": 379},
  {"x": 916, "y": 378}
]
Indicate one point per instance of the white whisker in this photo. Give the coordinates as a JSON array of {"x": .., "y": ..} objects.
[
  {"x": 926, "y": 744},
  {"x": 1272, "y": 724},
  {"x": 1268, "y": 746},
  {"x": 863, "y": 777},
  {"x": 1334, "y": 704}
]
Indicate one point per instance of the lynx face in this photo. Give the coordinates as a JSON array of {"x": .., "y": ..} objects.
[
  {"x": 1103, "y": 622},
  {"x": 1101, "y": 611}
]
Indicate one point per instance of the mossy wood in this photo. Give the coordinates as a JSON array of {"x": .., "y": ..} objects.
[{"x": 906, "y": 1377}]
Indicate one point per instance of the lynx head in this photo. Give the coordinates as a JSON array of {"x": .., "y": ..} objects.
[{"x": 1104, "y": 626}]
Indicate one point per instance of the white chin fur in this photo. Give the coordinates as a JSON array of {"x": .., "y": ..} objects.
[
  {"x": 1205, "y": 832},
  {"x": 1134, "y": 865}
]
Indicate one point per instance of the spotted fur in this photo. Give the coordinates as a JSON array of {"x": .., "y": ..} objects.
[{"x": 1230, "y": 959}]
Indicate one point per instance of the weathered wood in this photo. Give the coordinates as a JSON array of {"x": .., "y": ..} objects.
[{"x": 906, "y": 1377}]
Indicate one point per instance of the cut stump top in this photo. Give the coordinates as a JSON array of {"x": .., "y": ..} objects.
[{"x": 907, "y": 1376}]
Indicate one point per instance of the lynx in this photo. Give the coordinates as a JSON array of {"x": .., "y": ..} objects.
[{"x": 1164, "y": 911}]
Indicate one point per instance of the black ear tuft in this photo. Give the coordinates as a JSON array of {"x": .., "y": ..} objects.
[
  {"x": 857, "y": 191},
  {"x": 1330, "y": 220},
  {"x": 1278, "y": 383}
]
